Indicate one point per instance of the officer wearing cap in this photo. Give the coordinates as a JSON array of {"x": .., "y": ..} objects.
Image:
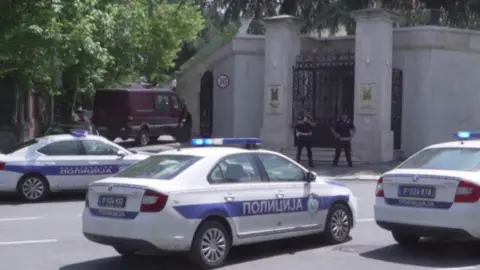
[
  {"x": 343, "y": 130},
  {"x": 303, "y": 135}
]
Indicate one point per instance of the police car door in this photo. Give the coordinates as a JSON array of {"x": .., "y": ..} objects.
[
  {"x": 62, "y": 163},
  {"x": 103, "y": 159},
  {"x": 296, "y": 209},
  {"x": 238, "y": 182}
]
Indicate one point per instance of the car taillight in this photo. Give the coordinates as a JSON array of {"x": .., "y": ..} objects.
[
  {"x": 153, "y": 201},
  {"x": 467, "y": 192},
  {"x": 379, "y": 191},
  {"x": 2, "y": 165}
]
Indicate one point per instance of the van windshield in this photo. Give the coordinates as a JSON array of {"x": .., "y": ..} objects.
[
  {"x": 456, "y": 159},
  {"x": 164, "y": 167}
]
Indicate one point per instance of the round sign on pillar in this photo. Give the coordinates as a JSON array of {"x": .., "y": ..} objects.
[{"x": 223, "y": 81}]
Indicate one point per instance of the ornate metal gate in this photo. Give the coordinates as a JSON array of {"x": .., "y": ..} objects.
[
  {"x": 396, "y": 122},
  {"x": 323, "y": 84}
]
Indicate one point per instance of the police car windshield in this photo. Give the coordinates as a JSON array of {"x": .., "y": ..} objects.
[
  {"x": 164, "y": 167},
  {"x": 456, "y": 159},
  {"x": 20, "y": 146}
]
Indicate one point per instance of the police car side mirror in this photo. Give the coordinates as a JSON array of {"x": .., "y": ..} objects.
[
  {"x": 121, "y": 154},
  {"x": 311, "y": 176}
]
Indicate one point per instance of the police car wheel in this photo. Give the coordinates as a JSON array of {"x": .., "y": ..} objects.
[
  {"x": 405, "y": 239},
  {"x": 210, "y": 246},
  {"x": 338, "y": 225},
  {"x": 143, "y": 137},
  {"x": 33, "y": 188}
]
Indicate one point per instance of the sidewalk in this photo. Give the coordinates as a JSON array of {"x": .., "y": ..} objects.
[{"x": 361, "y": 172}]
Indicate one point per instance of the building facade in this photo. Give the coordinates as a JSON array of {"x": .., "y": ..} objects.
[{"x": 405, "y": 88}]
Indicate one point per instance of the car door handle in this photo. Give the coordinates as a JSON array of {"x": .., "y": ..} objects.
[
  {"x": 229, "y": 197},
  {"x": 49, "y": 163},
  {"x": 93, "y": 162},
  {"x": 279, "y": 194}
]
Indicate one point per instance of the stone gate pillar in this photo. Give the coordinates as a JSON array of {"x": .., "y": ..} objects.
[
  {"x": 282, "y": 45},
  {"x": 373, "y": 84}
]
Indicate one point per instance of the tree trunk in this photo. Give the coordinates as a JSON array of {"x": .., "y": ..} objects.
[{"x": 65, "y": 102}]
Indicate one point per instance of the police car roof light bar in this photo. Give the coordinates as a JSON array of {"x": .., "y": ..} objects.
[
  {"x": 247, "y": 142},
  {"x": 467, "y": 135},
  {"x": 79, "y": 133}
]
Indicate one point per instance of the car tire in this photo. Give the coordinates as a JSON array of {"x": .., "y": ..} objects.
[
  {"x": 126, "y": 252},
  {"x": 33, "y": 188},
  {"x": 212, "y": 235},
  {"x": 143, "y": 137},
  {"x": 338, "y": 224},
  {"x": 405, "y": 239}
]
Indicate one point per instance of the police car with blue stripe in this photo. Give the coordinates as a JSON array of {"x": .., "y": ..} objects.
[
  {"x": 433, "y": 194},
  {"x": 206, "y": 199},
  {"x": 61, "y": 162}
]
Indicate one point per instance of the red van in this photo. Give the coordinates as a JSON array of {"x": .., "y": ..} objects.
[{"x": 141, "y": 114}]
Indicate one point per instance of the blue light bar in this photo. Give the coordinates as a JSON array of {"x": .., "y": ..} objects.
[
  {"x": 466, "y": 135},
  {"x": 79, "y": 132},
  {"x": 226, "y": 141}
]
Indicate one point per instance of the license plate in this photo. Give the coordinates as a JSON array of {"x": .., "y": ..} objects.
[
  {"x": 112, "y": 201},
  {"x": 416, "y": 192}
]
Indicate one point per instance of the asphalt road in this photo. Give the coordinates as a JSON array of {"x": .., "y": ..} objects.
[{"x": 47, "y": 236}]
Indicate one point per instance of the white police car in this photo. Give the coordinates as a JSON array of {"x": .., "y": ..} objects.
[
  {"x": 435, "y": 193},
  {"x": 61, "y": 162},
  {"x": 207, "y": 199}
]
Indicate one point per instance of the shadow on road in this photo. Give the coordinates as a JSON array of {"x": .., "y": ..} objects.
[
  {"x": 429, "y": 254},
  {"x": 179, "y": 262},
  {"x": 13, "y": 199}
]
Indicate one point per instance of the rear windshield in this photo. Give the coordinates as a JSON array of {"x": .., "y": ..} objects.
[
  {"x": 19, "y": 147},
  {"x": 162, "y": 167},
  {"x": 456, "y": 159}
]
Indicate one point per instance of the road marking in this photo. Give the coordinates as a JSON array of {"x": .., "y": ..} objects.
[
  {"x": 365, "y": 219},
  {"x": 28, "y": 242},
  {"x": 20, "y": 219}
]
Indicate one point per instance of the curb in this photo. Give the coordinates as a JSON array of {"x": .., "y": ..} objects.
[
  {"x": 156, "y": 148},
  {"x": 369, "y": 178}
]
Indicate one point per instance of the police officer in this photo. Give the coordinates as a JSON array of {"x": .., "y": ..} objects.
[
  {"x": 343, "y": 130},
  {"x": 303, "y": 134}
]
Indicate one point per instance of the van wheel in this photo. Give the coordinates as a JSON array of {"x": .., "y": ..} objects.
[
  {"x": 210, "y": 246},
  {"x": 143, "y": 138},
  {"x": 33, "y": 188}
]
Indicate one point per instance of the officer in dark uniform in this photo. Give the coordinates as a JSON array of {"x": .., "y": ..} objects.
[
  {"x": 303, "y": 134},
  {"x": 343, "y": 130}
]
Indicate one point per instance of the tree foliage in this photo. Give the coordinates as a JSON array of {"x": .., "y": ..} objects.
[
  {"x": 320, "y": 15},
  {"x": 92, "y": 42}
]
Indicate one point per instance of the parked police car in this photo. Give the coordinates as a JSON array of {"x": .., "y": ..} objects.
[
  {"x": 207, "y": 199},
  {"x": 61, "y": 162},
  {"x": 435, "y": 193}
]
